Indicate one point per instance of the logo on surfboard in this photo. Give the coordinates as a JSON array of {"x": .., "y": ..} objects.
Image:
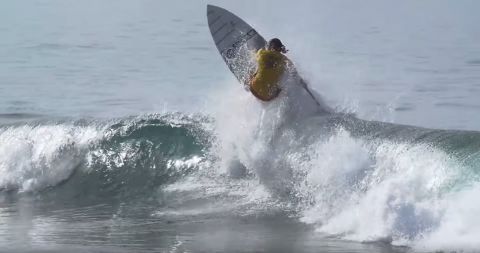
[{"x": 231, "y": 52}]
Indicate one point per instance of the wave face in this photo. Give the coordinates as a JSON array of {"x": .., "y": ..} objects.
[
  {"x": 349, "y": 178},
  {"x": 94, "y": 159}
]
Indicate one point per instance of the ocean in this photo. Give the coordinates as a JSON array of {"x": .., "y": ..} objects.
[{"x": 122, "y": 130}]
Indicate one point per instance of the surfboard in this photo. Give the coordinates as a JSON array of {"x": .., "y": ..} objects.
[{"x": 236, "y": 41}]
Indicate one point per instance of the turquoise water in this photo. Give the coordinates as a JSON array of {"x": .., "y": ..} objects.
[{"x": 121, "y": 129}]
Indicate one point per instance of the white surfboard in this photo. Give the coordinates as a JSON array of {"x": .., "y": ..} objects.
[{"x": 236, "y": 41}]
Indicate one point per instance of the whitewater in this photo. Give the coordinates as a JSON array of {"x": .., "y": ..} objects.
[{"x": 108, "y": 145}]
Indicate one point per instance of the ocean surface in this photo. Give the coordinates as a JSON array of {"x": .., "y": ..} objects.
[{"x": 122, "y": 130}]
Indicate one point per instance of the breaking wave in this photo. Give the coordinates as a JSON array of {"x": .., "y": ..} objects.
[{"x": 349, "y": 178}]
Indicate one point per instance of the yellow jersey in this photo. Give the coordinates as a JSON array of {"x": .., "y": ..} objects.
[{"x": 271, "y": 65}]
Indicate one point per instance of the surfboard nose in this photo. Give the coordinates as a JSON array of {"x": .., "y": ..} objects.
[
  {"x": 210, "y": 6},
  {"x": 212, "y": 9}
]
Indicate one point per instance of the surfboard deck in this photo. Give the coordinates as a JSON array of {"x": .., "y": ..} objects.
[{"x": 236, "y": 41}]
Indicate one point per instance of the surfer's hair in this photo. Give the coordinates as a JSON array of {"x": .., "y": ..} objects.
[{"x": 275, "y": 43}]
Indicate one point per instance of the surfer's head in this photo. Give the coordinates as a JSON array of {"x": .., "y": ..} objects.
[{"x": 276, "y": 44}]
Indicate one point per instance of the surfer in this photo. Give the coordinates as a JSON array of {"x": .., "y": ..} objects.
[{"x": 271, "y": 64}]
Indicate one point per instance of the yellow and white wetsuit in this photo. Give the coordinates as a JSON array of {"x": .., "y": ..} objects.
[{"x": 271, "y": 65}]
